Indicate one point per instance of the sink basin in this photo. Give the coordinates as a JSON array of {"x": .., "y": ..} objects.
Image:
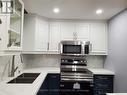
[
  {"x": 25, "y": 78},
  {"x": 30, "y": 75}
]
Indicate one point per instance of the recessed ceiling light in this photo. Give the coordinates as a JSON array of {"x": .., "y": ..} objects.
[
  {"x": 99, "y": 11},
  {"x": 56, "y": 10}
]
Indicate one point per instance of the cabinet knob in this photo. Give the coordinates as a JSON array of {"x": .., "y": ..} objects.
[{"x": 61, "y": 85}]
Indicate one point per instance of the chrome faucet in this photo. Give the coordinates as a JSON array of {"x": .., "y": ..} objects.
[{"x": 13, "y": 69}]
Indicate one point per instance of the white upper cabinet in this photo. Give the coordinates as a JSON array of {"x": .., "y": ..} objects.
[
  {"x": 35, "y": 33},
  {"x": 44, "y": 35},
  {"x": 54, "y": 36},
  {"x": 15, "y": 26},
  {"x": 29, "y": 33},
  {"x": 68, "y": 31},
  {"x": 74, "y": 31},
  {"x": 3, "y": 32},
  {"x": 11, "y": 29},
  {"x": 95, "y": 32},
  {"x": 82, "y": 31},
  {"x": 98, "y": 38},
  {"x": 41, "y": 35}
]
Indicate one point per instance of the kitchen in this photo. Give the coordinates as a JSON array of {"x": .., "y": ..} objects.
[{"x": 34, "y": 39}]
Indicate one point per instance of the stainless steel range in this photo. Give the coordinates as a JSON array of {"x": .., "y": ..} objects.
[{"x": 76, "y": 79}]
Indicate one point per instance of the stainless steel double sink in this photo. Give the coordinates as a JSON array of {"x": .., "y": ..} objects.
[{"x": 25, "y": 78}]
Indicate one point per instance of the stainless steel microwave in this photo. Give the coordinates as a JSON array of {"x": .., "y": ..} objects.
[{"x": 74, "y": 47}]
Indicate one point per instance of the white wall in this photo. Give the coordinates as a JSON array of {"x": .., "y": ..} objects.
[
  {"x": 33, "y": 61},
  {"x": 117, "y": 51}
]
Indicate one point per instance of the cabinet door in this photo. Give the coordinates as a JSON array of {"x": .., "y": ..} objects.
[
  {"x": 53, "y": 84},
  {"x": 29, "y": 32},
  {"x": 82, "y": 31},
  {"x": 98, "y": 37},
  {"x": 44, "y": 87},
  {"x": 54, "y": 39},
  {"x": 15, "y": 30},
  {"x": 67, "y": 31},
  {"x": 3, "y": 32},
  {"x": 103, "y": 84},
  {"x": 41, "y": 35}
]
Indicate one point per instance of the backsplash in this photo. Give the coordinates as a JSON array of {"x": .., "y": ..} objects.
[
  {"x": 95, "y": 61},
  {"x": 5, "y": 65},
  {"x": 34, "y": 61},
  {"x": 37, "y": 61}
]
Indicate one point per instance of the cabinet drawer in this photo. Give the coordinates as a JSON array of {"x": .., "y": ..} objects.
[
  {"x": 53, "y": 81},
  {"x": 103, "y": 77},
  {"x": 108, "y": 80},
  {"x": 103, "y": 86}
]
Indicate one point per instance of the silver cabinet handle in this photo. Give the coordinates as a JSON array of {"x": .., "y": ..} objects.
[
  {"x": 1, "y": 5},
  {"x": 48, "y": 46},
  {"x": 90, "y": 47},
  {"x": 59, "y": 47},
  {"x": 0, "y": 39},
  {"x": 0, "y": 21}
]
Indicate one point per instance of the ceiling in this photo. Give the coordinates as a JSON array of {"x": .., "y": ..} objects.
[{"x": 75, "y": 9}]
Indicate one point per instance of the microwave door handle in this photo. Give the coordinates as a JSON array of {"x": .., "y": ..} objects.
[
  {"x": 59, "y": 48},
  {"x": 90, "y": 47}
]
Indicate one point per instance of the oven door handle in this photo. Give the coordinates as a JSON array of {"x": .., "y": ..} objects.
[{"x": 68, "y": 79}]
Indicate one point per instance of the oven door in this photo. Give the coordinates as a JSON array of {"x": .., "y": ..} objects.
[{"x": 76, "y": 88}]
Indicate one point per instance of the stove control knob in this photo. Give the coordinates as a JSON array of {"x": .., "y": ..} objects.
[{"x": 61, "y": 85}]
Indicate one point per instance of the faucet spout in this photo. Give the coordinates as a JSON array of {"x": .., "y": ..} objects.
[{"x": 13, "y": 69}]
